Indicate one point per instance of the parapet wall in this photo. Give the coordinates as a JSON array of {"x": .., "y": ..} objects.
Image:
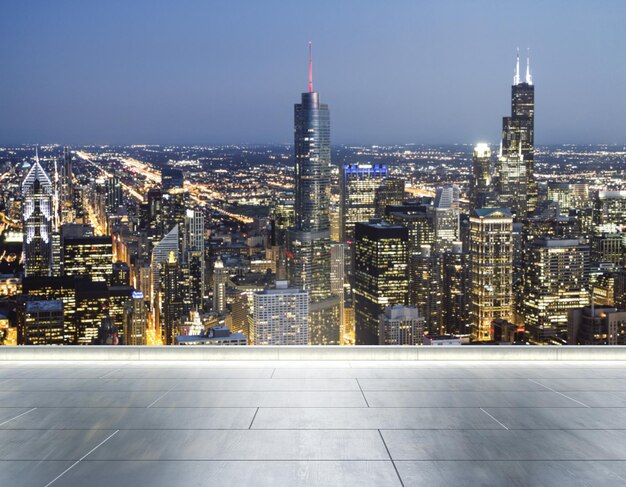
[{"x": 313, "y": 353}]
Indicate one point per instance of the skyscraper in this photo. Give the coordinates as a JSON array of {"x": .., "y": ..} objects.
[
  {"x": 390, "y": 192},
  {"x": 308, "y": 257},
  {"x": 135, "y": 320},
  {"x": 517, "y": 188},
  {"x": 380, "y": 274},
  {"x": 480, "y": 181},
  {"x": 446, "y": 218},
  {"x": 491, "y": 269},
  {"x": 401, "y": 325},
  {"x": 220, "y": 277},
  {"x": 38, "y": 220}
]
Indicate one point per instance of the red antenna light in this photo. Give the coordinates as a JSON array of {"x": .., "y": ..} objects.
[{"x": 310, "y": 67}]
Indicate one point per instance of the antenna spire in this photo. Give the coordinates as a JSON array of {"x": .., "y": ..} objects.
[
  {"x": 516, "y": 78},
  {"x": 310, "y": 67},
  {"x": 529, "y": 77}
]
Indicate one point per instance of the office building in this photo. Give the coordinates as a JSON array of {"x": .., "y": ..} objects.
[
  {"x": 38, "y": 221},
  {"x": 358, "y": 185},
  {"x": 425, "y": 287},
  {"x": 401, "y": 325},
  {"x": 390, "y": 192},
  {"x": 90, "y": 256},
  {"x": 41, "y": 323},
  {"x": 220, "y": 279},
  {"x": 380, "y": 275}
]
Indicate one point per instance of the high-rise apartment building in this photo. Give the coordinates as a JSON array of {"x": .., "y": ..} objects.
[
  {"x": 380, "y": 274},
  {"x": 491, "y": 269},
  {"x": 281, "y": 316}
]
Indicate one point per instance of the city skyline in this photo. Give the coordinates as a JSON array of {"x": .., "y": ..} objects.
[{"x": 437, "y": 80}]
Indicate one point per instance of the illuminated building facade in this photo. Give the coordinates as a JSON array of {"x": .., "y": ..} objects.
[
  {"x": 42, "y": 323},
  {"x": 555, "y": 280},
  {"x": 92, "y": 306},
  {"x": 380, "y": 275},
  {"x": 390, "y": 192},
  {"x": 281, "y": 316},
  {"x": 135, "y": 320},
  {"x": 90, "y": 256},
  {"x": 358, "y": 184},
  {"x": 38, "y": 221},
  {"x": 491, "y": 269}
]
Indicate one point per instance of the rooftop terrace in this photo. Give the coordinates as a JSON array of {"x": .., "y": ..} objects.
[{"x": 466, "y": 416}]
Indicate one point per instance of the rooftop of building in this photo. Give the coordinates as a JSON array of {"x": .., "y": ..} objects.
[{"x": 54, "y": 305}]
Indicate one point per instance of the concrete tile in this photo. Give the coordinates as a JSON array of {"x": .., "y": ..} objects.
[
  {"x": 28, "y": 399},
  {"x": 134, "y": 418},
  {"x": 232, "y": 474},
  {"x": 561, "y": 418},
  {"x": 506, "y": 444},
  {"x": 219, "y": 384},
  {"x": 448, "y": 384},
  {"x": 586, "y": 385},
  {"x": 373, "y": 418},
  {"x": 20, "y": 473},
  {"x": 242, "y": 445},
  {"x": 444, "y": 399},
  {"x": 48, "y": 445},
  {"x": 195, "y": 373},
  {"x": 108, "y": 383},
  {"x": 512, "y": 473},
  {"x": 261, "y": 399}
]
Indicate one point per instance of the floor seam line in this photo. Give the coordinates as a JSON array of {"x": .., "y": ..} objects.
[
  {"x": 159, "y": 398},
  {"x": 492, "y": 417},
  {"x": 18, "y": 416},
  {"x": 109, "y": 373},
  {"x": 362, "y": 393},
  {"x": 254, "y": 417},
  {"x": 82, "y": 458},
  {"x": 560, "y": 393},
  {"x": 390, "y": 458}
]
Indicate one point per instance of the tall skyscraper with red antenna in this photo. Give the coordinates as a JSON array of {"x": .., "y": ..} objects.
[{"x": 308, "y": 242}]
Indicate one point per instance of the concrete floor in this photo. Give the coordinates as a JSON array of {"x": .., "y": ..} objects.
[{"x": 232, "y": 423}]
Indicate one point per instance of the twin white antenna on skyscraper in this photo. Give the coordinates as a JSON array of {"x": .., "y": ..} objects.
[{"x": 516, "y": 77}]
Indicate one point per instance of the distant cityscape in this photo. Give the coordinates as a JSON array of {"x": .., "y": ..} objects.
[{"x": 316, "y": 244}]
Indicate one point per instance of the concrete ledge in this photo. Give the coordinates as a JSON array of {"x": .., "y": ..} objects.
[{"x": 330, "y": 353}]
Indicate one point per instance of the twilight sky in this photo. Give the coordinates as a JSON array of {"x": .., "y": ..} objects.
[{"x": 229, "y": 71}]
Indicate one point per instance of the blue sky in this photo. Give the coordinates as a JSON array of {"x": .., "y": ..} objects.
[{"x": 216, "y": 71}]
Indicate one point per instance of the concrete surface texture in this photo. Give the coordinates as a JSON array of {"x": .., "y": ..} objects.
[{"x": 318, "y": 423}]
